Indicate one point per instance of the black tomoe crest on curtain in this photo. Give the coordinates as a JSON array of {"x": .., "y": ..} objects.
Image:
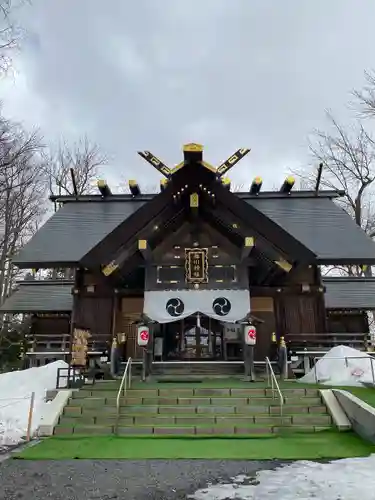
[
  {"x": 175, "y": 307},
  {"x": 221, "y": 306}
]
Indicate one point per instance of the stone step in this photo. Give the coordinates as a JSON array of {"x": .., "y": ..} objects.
[
  {"x": 247, "y": 409},
  {"x": 249, "y": 430},
  {"x": 106, "y": 410},
  {"x": 198, "y": 419},
  {"x": 131, "y": 419},
  {"x": 93, "y": 418},
  {"x": 96, "y": 402},
  {"x": 181, "y": 392}
]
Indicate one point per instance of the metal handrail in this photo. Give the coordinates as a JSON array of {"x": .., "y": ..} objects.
[
  {"x": 124, "y": 386},
  {"x": 272, "y": 380},
  {"x": 370, "y": 358}
]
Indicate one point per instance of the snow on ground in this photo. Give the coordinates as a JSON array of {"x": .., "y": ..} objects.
[
  {"x": 346, "y": 479},
  {"x": 15, "y": 392},
  {"x": 340, "y": 371}
]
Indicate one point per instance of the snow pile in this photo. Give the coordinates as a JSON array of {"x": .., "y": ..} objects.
[
  {"x": 342, "y": 479},
  {"x": 15, "y": 393},
  {"x": 345, "y": 370}
]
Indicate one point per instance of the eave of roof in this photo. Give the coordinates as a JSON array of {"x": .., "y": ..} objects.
[
  {"x": 322, "y": 226},
  {"x": 241, "y": 194},
  {"x": 349, "y": 293},
  {"x": 72, "y": 232},
  {"x": 39, "y": 296}
]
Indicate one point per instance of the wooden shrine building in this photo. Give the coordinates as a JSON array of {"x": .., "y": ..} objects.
[{"x": 193, "y": 262}]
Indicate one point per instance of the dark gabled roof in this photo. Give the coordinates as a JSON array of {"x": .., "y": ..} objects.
[
  {"x": 73, "y": 231},
  {"x": 40, "y": 296},
  {"x": 315, "y": 221},
  {"x": 322, "y": 226},
  {"x": 350, "y": 293}
]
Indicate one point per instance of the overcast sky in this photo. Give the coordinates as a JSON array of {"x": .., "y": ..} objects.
[{"x": 157, "y": 74}]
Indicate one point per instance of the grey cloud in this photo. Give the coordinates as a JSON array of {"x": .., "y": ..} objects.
[{"x": 154, "y": 75}]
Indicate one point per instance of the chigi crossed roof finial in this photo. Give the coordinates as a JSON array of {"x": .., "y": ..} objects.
[{"x": 194, "y": 153}]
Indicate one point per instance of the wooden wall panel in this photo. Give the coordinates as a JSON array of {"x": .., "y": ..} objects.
[
  {"x": 131, "y": 311},
  {"x": 95, "y": 314},
  {"x": 264, "y": 334},
  {"x": 300, "y": 314},
  {"x": 258, "y": 304}
]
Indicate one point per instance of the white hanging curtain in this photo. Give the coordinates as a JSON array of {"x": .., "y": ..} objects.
[{"x": 172, "y": 305}]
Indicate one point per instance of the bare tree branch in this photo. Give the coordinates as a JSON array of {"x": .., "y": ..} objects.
[
  {"x": 83, "y": 157},
  {"x": 348, "y": 157},
  {"x": 364, "y": 102},
  {"x": 10, "y": 32}
]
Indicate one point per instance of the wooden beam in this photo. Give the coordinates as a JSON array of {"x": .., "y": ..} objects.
[
  {"x": 284, "y": 265},
  {"x": 318, "y": 178},
  {"x": 249, "y": 262},
  {"x": 208, "y": 166},
  {"x": 163, "y": 184},
  {"x": 145, "y": 250},
  {"x": 177, "y": 167},
  {"x": 120, "y": 258},
  {"x": 287, "y": 185},
  {"x": 238, "y": 230},
  {"x": 134, "y": 188},
  {"x": 247, "y": 247},
  {"x": 231, "y": 161},
  {"x": 193, "y": 153},
  {"x": 133, "y": 227},
  {"x": 104, "y": 188},
  {"x": 265, "y": 227},
  {"x": 136, "y": 259},
  {"x": 126, "y": 252},
  {"x": 256, "y": 185},
  {"x": 156, "y": 163},
  {"x": 194, "y": 205},
  {"x": 226, "y": 182}
]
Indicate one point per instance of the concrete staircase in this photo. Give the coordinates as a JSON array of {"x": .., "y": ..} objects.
[{"x": 192, "y": 410}]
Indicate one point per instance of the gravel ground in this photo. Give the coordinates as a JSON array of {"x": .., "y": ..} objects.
[{"x": 109, "y": 480}]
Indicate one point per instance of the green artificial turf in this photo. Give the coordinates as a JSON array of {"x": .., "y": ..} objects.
[{"x": 322, "y": 445}]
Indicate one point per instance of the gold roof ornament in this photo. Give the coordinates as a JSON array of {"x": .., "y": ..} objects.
[{"x": 192, "y": 147}]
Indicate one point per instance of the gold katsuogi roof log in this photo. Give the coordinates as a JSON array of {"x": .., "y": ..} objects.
[{"x": 40, "y": 296}]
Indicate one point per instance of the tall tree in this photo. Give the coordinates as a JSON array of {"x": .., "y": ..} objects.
[
  {"x": 348, "y": 158},
  {"x": 22, "y": 191},
  {"x": 84, "y": 158}
]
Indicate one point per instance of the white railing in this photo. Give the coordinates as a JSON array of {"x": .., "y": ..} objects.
[
  {"x": 272, "y": 381},
  {"x": 371, "y": 359},
  {"x": 126, "y": 382}
]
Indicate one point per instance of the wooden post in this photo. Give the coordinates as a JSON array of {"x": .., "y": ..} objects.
[
  {"x": 144, "y": 361},
  {"x": 249, "y": 363},
  {"x": 73, "y": 316},
  {"x": 283, "y": 359},
  {"x": 30, "y": 417}
]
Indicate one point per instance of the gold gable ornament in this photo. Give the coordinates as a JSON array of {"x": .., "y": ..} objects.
[{"x": 192, "y": 148}]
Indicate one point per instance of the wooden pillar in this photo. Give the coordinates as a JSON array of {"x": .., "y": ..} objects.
[{"x": 73, "y": 317}]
